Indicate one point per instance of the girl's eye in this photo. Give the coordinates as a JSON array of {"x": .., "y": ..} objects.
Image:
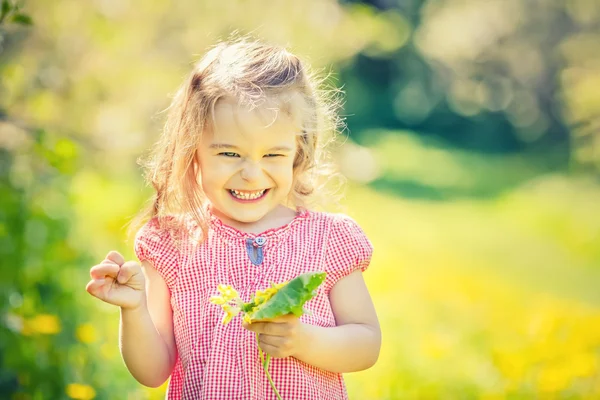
[
  {"x": 229, "y": 154},
  {"x": 274, "y": 155}
]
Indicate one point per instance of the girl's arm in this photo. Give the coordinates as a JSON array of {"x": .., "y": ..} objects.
[
  {"x": 354, "y": 344},
  {"x": 147, "y": 342}
]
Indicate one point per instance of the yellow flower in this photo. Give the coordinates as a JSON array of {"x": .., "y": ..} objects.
[
  {"x": 230, "y": 312},
  {"x": 278, "y": 286},
  {"x": 247, "y": 318},
  {"x": 261, "y": 296},
  {"x": 79, "y": 391},
  {"x": 218, "y": 300},
  {"x": 226, "y": 318},
  {"x": 227, "y": 292},
  {"x": 46, "y": 324},
  {"x": 86, "y": 333}
]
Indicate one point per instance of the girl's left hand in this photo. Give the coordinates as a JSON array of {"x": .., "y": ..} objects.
[{"x": 280, "y": 337}]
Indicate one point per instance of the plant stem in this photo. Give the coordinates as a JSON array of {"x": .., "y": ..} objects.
[
  {"x": 265, "y": 364},
  {"x": 262, "y": 359}
]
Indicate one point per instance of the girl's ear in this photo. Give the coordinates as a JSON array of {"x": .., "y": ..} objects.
[{"x": 196, "y": 165}]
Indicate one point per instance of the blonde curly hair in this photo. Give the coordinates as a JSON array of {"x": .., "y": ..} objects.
[{"x": 253, "y": 72}]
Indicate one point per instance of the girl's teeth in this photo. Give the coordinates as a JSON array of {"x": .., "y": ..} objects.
[{"x": 246, "y": 195}]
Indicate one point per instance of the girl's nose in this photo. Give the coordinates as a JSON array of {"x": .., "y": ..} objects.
[{"x": 250, "y": 171}]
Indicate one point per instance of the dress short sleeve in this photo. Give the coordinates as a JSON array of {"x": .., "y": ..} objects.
[
  {"x": 155, "y": 244},
  {"x": 348, "y": 249}
]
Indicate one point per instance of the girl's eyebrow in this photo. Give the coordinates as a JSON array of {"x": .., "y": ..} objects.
[
  {"x": 222, "y": 146},
  {"x": 230, "y": 146},
  {"x": 281, "y": 148}
]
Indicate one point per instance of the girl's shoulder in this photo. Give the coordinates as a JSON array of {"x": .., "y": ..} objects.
[
  {"x": 336, "y": 223},
  {"x": 161, "y": 241},
  {"x": 340, "y": 232},
  {"x": 169, "y": 227},
  {"x": 154, "y": 228},
  {"x": 347, "y": 247}
]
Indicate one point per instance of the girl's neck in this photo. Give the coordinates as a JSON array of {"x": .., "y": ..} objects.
[{"x": 279, "y": 216}]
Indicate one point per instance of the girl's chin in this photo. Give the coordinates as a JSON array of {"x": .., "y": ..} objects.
[
  {"x": 248, "y": 214},
  {"x": 246, "y": 217}
]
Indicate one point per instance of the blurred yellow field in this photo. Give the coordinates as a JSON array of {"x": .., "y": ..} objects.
[{"x": 476, "y": 302}]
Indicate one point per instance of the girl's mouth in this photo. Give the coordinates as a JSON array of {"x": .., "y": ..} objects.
[{"x": 247, "y": 197}]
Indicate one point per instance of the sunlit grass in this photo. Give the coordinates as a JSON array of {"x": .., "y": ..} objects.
[{"x": 477, "y": 300}]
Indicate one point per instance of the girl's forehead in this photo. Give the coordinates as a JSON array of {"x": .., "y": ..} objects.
[{"x": 270, "y": 121}]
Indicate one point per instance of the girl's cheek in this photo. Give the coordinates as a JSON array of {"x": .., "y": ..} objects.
[
  {"x": 283, "y": 168},
  {"x": 223, "y": 168}
]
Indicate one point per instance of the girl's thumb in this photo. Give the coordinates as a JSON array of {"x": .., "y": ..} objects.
[{"x": 122, "y": 277}]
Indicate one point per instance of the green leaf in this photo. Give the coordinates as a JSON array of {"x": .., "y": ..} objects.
[
  {"x": 22, "y": 19},
  {"x": 290, "y": 298}
]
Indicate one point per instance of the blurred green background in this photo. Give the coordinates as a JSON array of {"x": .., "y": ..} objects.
[{"x": 473, "y": 158}]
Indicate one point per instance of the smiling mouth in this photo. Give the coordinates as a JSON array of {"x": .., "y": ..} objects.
[{"x": 246, "y": 195}]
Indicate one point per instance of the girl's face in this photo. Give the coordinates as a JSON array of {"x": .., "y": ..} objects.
[{"x": 246, "y": 160}]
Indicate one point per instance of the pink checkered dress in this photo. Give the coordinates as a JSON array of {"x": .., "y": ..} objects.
[{"x": 218, "y": 361}]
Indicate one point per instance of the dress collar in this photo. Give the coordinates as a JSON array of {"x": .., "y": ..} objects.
[{"x": 271, "y": 235}]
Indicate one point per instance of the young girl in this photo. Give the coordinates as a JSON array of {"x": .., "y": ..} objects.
[{"x": 234, "y": 170}]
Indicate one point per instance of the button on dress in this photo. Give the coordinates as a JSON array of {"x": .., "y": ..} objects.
[{"x": 217, "y": 361}]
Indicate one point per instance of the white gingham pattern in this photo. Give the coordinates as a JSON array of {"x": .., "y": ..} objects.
[{"x": 218, "y": 361}]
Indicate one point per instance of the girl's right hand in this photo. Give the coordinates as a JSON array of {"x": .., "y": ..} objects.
[{"x": 118, "y": 282}]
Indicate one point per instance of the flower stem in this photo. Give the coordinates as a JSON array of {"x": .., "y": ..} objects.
[
  {"x": 265, "y": 364},
  {"x": 269, "y": 377},
  {"x": 262, "y": 359}
]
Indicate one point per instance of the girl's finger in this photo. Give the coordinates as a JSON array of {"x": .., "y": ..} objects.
[
  {"x": 271, "y": 350},
  {"x": 254, "y": 326},
  {"x": 127, "y": 270},
  {"x": 94, "y": 285},
  {"x": 288, "y": 318},
  {"x": 104, "y": 269},
  {"x": 268, "y": 328},
  {"x": 115, "y": 257},
  {"x": 275, "y": 341}
]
